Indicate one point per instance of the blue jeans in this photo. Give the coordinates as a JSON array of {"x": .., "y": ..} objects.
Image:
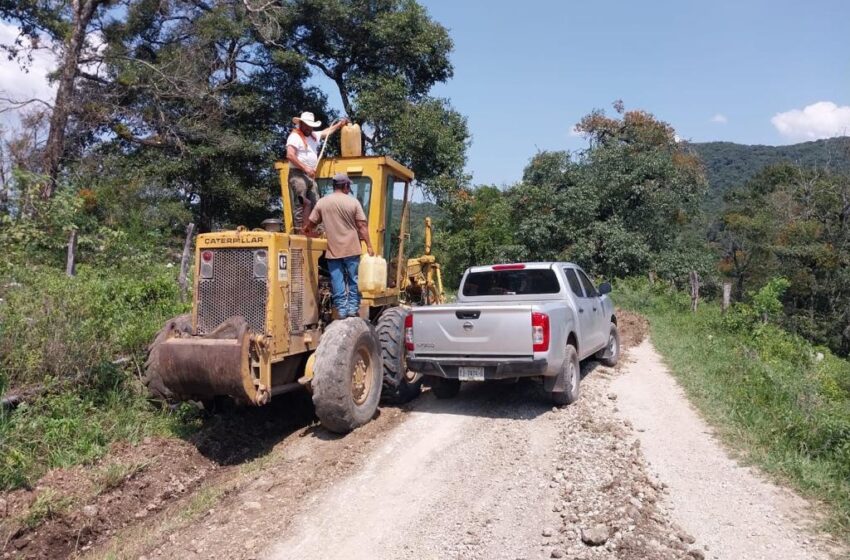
[{"x": 346, "y": 297}]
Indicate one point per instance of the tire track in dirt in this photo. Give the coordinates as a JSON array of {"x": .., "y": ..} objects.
[{"x": 445, "y": 484}]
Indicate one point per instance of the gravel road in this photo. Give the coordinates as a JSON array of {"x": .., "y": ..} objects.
[
  {"x": 728, "y": 506},
  {"x": 497, "y": 473}
]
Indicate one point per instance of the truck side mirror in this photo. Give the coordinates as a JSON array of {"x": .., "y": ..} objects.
[{"x": 604, "y": 288}]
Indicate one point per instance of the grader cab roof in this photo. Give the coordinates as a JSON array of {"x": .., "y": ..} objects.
[{"x": 362, "y": 165}]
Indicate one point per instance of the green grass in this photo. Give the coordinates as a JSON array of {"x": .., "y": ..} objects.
[
  {"x": 72, "y": 427},
  {"x": 46, "y": 506},
  {"x": 114, "y": 474},
  {"x": 783, "y": 403},
  {"x": 66, "y": 336}
]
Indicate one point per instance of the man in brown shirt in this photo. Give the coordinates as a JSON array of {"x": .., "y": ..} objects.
[{"x": 345, "y": 226}]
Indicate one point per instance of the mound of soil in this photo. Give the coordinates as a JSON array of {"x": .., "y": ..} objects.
[
  {"x": 633, "y": 328},
  {"x": 78, "y": 507}
]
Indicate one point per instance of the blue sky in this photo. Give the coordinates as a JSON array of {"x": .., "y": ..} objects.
[
  {"x": 766, "y": 72},
  {"x": 526, "y": 72}
]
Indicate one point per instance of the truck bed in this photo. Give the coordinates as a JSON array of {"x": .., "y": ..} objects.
[{"x": 488, "y": 329}]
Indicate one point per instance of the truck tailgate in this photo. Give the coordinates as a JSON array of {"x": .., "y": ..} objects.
[{"x": 473, "y": 330}]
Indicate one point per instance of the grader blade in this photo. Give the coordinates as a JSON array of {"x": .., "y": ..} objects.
[{"x": 203, "y": 367}]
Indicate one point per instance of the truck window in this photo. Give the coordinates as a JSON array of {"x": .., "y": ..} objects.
[
  {"x": 588, "y": 285},
  {"x": 575, "y": 286},
  {"x": 511, "y": 282}
]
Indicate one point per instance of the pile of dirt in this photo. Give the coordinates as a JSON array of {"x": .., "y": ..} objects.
[
  {"x": 260, "y": 503},
  {"x": 71, "y": 510},
  {"x": 633, "y": 328}
]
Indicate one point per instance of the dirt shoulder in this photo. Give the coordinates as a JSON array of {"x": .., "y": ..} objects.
[
  {"x": 140, "y": 495},
  {"x": 725, "y": 504}
]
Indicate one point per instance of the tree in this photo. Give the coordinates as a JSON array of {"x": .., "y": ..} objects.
[
  {"x": 794, "y": 222},
  {"x": 476, "y": 229},
  {"x": 68, "y": 27},
  {"x": 383, "y": 56},
  {"x": 627, "y": 205},
  {"x": 611, "y": 207},
  {"x": 195, "y": 104}
]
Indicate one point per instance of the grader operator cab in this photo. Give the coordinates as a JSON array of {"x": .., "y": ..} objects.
[{"x": 262, "y": 324}]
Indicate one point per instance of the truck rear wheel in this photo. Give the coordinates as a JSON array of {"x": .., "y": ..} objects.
[
  {"x": 400, "y": 384},
  {"x": 347, "y": 375},
  {"x": 152, "y": 377},
  {"x": 572, "y": 378}
]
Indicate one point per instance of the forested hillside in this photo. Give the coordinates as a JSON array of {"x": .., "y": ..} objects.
[{"x": 729, "y": 165}]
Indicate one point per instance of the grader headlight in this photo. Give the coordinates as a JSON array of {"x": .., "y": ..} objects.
[
  {"x": 207, "y": 264},
  {"x": 261, "y": 263}
]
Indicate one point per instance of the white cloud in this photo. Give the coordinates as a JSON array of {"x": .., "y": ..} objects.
[
  {"x": 823, "y": 119},
  {"x": 719, "y": 118},
  {"x": 17, "y": 82}
]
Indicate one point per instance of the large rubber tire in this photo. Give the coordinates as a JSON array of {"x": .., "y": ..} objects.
[
  {"x": 445, "y": 388},
  {"x": 400, "y": 385},
  {"x": 571, "y": 371},
  {"x": 343, "y": 402},
  {"x": 152, "y": 378},
  {"x": 610, "y": 355}
]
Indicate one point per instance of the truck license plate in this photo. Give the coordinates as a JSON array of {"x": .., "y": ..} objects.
[{"x": 470, "y": 373}]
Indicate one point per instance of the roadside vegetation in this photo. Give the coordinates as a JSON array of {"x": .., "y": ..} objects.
[
  {"x": 780, "y": 400},
  {"x": 75, "y": 347}
]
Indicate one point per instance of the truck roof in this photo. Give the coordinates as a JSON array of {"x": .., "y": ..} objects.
[{"x": 527, "y": 265}]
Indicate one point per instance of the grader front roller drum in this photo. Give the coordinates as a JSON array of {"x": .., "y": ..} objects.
[{"x": 181, "y": 366}]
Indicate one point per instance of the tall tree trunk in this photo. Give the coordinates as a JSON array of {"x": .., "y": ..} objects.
[{"x": 83, "y": 10}]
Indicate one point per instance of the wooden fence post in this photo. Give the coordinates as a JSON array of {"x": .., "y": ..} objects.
[
  {"x": 727, "y": 296},
  {"x": 694, "y": 290},
  {"x": 184, "y": 261},
  {"x": 71, "y": 261}
]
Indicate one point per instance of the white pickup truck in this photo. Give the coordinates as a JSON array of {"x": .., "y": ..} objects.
[{"x": 515, "y": 320}]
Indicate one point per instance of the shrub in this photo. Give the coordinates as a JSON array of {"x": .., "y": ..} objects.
[
  {"x": 71, "y": 427},
  {"x": 767, "y": 302},
  {"x": 54, "y": 327}
]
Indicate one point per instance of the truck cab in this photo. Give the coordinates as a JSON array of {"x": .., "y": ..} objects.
[{"x": 515, "y": 320}]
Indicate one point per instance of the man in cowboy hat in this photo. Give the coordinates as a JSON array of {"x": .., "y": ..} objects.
[
  {"x": 302, "y": 152},
  {"x": 345, "y": 227}
]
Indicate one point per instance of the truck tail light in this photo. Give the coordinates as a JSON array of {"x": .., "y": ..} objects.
[
  {"x": 408, "y": 332},
  {"x": 540, "y": 331}
]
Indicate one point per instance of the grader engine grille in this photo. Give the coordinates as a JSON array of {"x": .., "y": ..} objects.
[
  {"x": 233, "y": 290},
  {"x": 296, "y": 291}
]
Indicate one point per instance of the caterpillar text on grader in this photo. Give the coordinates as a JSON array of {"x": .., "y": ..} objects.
[{"x": 262, "y": 324}]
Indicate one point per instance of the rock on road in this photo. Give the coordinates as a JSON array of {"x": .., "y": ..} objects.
[{"x": 497, "y": 473}]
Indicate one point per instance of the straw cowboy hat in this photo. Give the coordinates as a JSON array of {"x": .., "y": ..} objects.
[{"x": 307, "y": 118}]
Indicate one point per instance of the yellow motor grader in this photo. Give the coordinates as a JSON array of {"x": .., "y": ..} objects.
[{"x": 262, "y": 321}]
